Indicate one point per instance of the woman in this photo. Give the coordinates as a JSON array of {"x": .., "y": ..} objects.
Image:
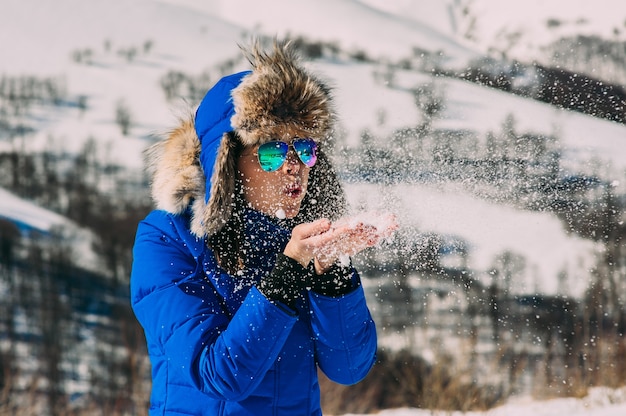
[{"x": 239, "y": 278}]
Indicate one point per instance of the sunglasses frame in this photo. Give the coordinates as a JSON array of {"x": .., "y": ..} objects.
[{"x": 281, "y": 145}]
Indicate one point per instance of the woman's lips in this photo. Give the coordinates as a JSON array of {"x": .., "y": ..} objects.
[{"x": 294, "y": 190}]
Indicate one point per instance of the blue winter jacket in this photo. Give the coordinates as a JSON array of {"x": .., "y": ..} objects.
[
  {"x": 219, "y": 347},
  {"x": 216, "y": 344}
]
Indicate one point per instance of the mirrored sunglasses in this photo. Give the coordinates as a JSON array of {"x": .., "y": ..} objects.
[{"x": 272, "y": 155}]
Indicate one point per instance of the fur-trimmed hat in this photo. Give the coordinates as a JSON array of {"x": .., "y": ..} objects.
[{"x": 194, "y": 167}]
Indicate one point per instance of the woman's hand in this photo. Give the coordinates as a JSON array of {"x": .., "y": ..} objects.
[
  {"x": 306, "y": 240},
  {"x": 326, "y": 242}
]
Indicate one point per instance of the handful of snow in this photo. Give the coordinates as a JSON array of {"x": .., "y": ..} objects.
[
  {"x": 383, "y": 222},
  {"x": 384, "y": 225}
]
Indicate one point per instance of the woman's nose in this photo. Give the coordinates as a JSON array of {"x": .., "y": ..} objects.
[{"x": 292, "y": 163}]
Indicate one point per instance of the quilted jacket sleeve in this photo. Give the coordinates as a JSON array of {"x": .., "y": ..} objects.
[
  {"x": 185, "y": 324},
  {"x": 345, "y": 335}
]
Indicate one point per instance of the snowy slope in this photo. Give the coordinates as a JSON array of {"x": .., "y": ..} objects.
[
  {"x": 353, "y": 24},
  {"x": 39, "y": 36},
  {"x": 471, "y": 106},
  {"x": 32, "y": 218},
  {"x": 528, "y": 20},
  {"x": 489, "y": 24}
]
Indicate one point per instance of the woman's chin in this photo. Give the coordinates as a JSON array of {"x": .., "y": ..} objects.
[
  {"x": 288, "y": 211},
  {"x": 291, "y": 213}
]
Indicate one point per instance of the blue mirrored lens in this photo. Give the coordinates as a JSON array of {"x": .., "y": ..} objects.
[
  {"x": 306, "y": 151},
  {"x": 272, "y": 155}
]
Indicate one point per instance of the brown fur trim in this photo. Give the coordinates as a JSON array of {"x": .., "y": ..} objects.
[
  {"x": 178, "y": 180},
  {"x": 177, "y": 177},
  {"x": 280, "y": 99}
]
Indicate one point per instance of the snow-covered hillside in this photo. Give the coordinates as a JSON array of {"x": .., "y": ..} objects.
[
  {"x": 488, "y": 22},
  {"x": 30, "y": 218}
]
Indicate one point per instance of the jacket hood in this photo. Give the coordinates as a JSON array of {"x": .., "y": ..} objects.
[{"x": 194, "y": 166}]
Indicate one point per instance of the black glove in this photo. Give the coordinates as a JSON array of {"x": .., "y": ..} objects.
[
  {"x": 335, "y": 282},
  {"x": 285, "y": 282}
]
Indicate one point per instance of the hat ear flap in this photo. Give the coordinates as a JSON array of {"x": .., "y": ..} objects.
[{"x": 219, "y": 207}]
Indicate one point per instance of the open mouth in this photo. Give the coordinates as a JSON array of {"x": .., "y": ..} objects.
[{"x": 294, "y": 190}]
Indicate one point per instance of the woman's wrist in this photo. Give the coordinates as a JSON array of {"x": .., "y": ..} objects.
[
  {"x": 319, "y": 267},
  {"x": 285, "y": 281},
  {"x": 302, "y": 260}
]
